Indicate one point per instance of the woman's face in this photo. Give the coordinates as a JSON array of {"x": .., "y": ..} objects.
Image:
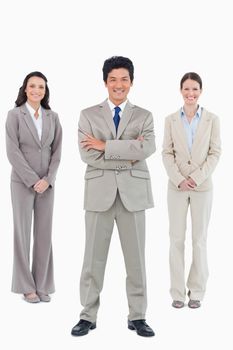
[
  {"x": 190, "y": 91},
  {"x": 35, "y": 90}
]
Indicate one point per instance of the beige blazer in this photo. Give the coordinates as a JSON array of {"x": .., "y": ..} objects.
[
  {"x": 32, "y": 159},
  {"x": 201, "y": 162},
  {"x": 123, "y": 165}
]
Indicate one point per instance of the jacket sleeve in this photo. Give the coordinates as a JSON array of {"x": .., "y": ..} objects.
[
  {"x": 55, "y": 153},
  {"x": 14, "y": 154},
  {"x": 93, "y": 157},
  {"x": 206, "y": 169},
  {"x": 133, "y": 149},
  {"x": 168, "y": 155}
]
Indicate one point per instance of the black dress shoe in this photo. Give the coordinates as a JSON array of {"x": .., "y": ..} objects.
[
  {"x": 141, "y": 327},
  {"x": 82, "y": 327}
]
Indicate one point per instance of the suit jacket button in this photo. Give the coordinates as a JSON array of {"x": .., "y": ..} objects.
[{"x": 189, "y": 162}]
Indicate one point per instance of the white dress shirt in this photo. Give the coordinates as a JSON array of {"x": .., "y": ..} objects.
[
  {"x": 112, "y": 106},
  {"x": 37, "y": 121}
]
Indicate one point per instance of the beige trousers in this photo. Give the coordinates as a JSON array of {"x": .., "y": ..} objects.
[
  {"x": 99, "y": 228},
  {"x": 27, "y": 203},
  {"x": 200, "y": 209}
]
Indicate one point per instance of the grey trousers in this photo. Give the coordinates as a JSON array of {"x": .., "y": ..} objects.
[
  {"x": 99, "y": 228},
  {"x": 200, "y": 208},
  {"x": 27, "y": 203}
]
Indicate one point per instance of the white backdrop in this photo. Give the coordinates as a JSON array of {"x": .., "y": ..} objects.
[{"x": 68, "y": 41}]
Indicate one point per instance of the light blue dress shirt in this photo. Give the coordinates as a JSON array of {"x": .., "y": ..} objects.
[{"x": 190, "y": 128}]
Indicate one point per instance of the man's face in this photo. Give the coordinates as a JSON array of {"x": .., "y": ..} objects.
[{"x": 118, "y": 85}]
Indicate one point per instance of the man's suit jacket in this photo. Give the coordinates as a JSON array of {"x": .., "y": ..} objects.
[
  {"x": 201, "y": 161},
  {"x": 122, "y": 166},
  {"x": 32, "y": 159}
]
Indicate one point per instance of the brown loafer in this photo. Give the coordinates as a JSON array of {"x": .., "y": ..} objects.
[{"x": 178, "y": 304}]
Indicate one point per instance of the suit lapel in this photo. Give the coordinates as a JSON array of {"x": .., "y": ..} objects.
[
  {"x": 125, "y": 118},
  {"x": 108, "y": 117},
  {"x": 202, "y": 126},
  {"x": 178, "y": 125},
  {"x": 29, "y": 122},
  {"x": 45, "y": 125}
]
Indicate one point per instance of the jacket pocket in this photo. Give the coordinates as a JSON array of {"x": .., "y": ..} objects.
[
  {"x": 94, "y": 173},
  {"x": 140, "y": 173}
]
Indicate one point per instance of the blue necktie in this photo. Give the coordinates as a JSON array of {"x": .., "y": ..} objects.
[{"x": 116, "y": 117}]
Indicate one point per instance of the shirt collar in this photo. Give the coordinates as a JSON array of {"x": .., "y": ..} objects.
[
  {"x": 197, "y": 115},
  {"x": 112, "y": 106},
  {"x": 32, "y": 110}
]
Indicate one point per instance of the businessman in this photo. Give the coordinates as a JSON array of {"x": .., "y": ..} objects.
[{"x": 115, "y": 138}]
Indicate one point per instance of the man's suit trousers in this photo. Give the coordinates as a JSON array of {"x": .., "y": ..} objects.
[{"x": 99, "y": 228}]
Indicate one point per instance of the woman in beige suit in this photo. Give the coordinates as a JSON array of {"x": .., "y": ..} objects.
[
  {"x": 33, "y": 140},
  {"x": 191, "y": 150}
]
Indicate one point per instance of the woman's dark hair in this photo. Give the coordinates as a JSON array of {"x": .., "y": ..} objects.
[
  {"x": 22, "y": 97},
  {"x": 193, "y": 76},
  {"x": 116, "y": 62}
]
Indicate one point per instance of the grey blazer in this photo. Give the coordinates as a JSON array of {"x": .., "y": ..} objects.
[
  {"x": 122, "y": 166},
  {"x": 32, "y": 159}
]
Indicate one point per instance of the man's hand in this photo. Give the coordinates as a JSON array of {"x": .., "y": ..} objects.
[
  {"x": 41, "y": 186},
  {"x": 89, "y": 142}
]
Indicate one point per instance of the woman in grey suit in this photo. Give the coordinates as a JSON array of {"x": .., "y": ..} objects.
[
  {"x": 191, "y": 150},
  {"x": 33, "y": 141}
]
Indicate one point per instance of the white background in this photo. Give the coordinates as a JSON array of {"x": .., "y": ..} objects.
[{"x": 68, "y": 41}]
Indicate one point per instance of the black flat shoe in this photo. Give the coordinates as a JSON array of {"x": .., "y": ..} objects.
[
  {"x": 82, "y": 328},
  {"x": 141, "y": 327}
]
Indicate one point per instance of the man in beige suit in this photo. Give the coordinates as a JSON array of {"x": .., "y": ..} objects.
[
  {"x": 191, "y": 150},
  {"x": 115, "y": 138}
]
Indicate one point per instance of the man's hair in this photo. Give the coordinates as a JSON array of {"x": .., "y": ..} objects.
[{"x": 116, "y": 62}]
